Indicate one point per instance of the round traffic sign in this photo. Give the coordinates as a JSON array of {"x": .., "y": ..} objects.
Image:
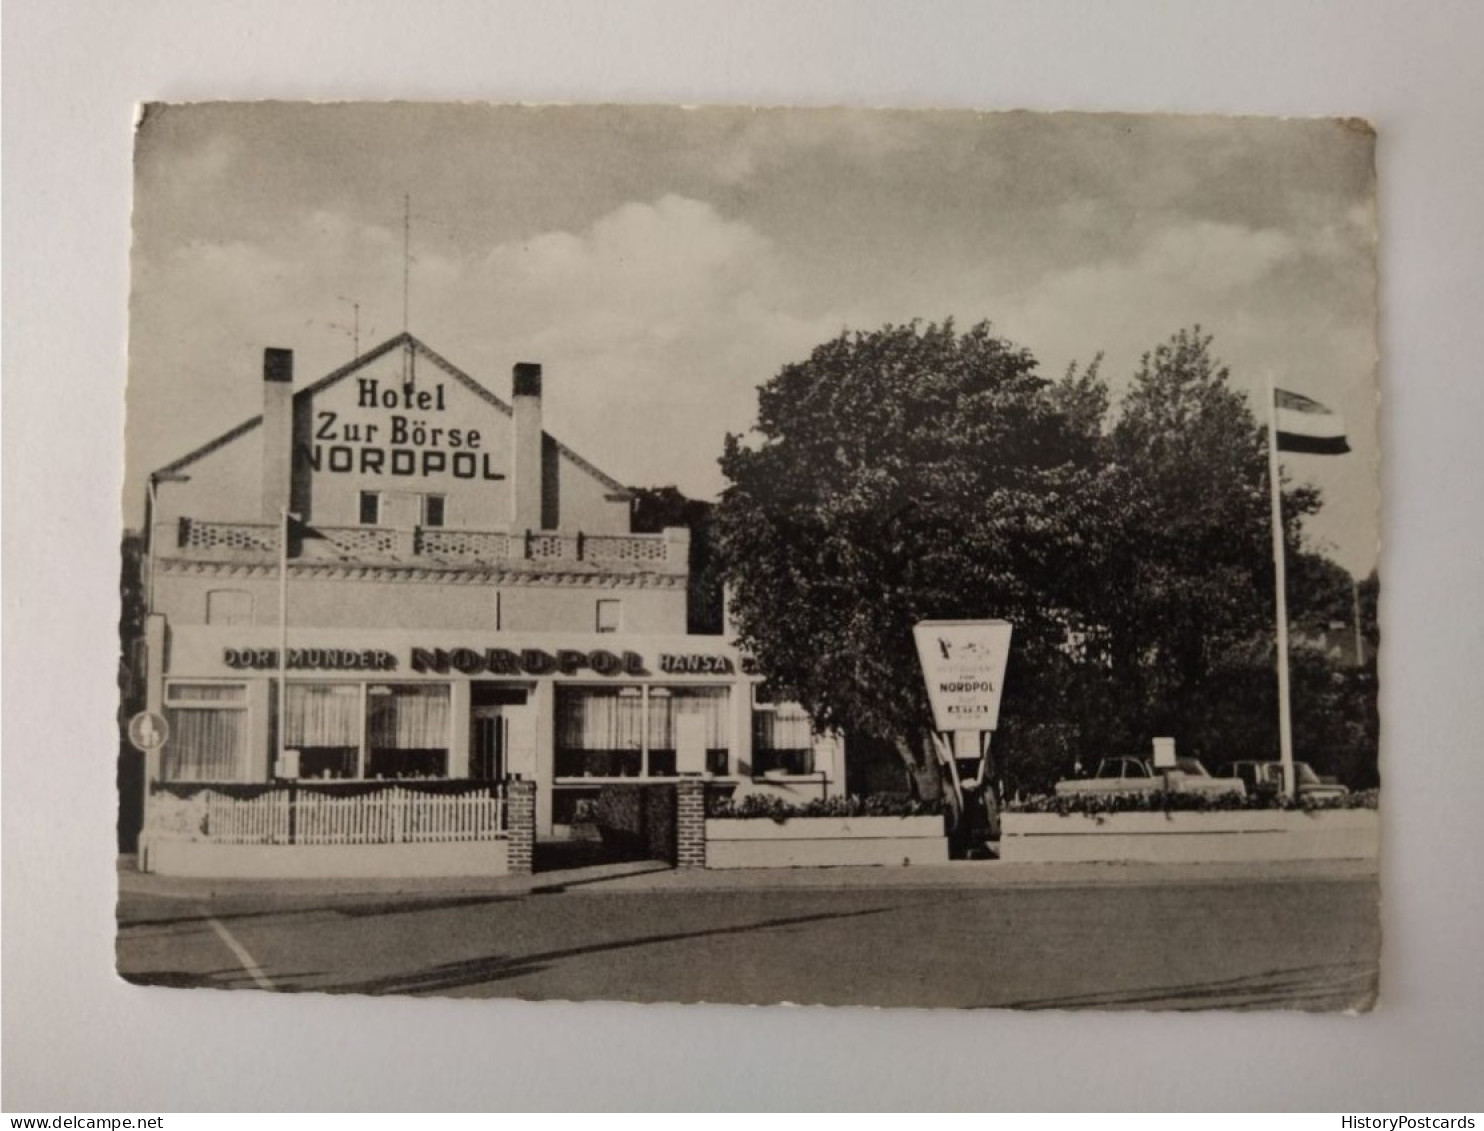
[{"x": 148, "y": 731}]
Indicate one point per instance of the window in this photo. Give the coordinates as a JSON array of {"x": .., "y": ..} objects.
[
  {"x": 407, "y": 730},
  {"x": 600, "y": 732},
  {"x": 667, "y": 704},
  {"x": 782, "y": 739},
  {"x": 208, "y": 732},
  {"x": 627, "y": 732},
  {"x": 610, "y": 615},
  {"x": 228, "y": 606},
  {"x": 354, "y": 730},
  {"x": 323, "y": 723},
  {"x": 402, "y": 509}
]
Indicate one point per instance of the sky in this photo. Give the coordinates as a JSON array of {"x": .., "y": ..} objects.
[{"x": 662, "y": 263}]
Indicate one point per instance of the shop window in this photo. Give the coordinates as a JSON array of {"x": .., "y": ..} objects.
[
  {"x": 370, "y": 508},
  {"x": 323, "y": 723},
  {"x": 208, "y": 732},
  {"x": 401, "y": 731},
  {"x": 710, "y": 704},
  {"x": 600, "y": 732},
  {"x": 782, "y": 739},
  {"x": 228, "y": 607},
  {"x": 407, "y": 728},
  {"x": 433, "y": 510},
  {"x": 623, "y": 732},
  {"x": 610, "y": 615}
]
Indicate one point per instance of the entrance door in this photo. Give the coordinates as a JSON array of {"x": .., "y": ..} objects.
[{"x": 487, "y": 744}]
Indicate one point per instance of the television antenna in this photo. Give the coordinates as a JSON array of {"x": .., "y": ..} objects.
[{"x": 354, "y": 329}]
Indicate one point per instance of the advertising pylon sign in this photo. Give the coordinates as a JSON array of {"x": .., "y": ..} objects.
[{"x": 963, "y": 662}]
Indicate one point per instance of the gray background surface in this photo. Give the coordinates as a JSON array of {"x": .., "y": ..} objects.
[{"x": 75, "y": 1038}]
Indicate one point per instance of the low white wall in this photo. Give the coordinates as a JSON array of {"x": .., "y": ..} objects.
[
  {"x": 820, "y": 842},
  {"x": 324, "y": 861},
  {"x": 1181, "y": 837}
]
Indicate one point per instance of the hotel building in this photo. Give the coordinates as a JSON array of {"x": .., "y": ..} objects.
[{"x": 393, "y": 582}]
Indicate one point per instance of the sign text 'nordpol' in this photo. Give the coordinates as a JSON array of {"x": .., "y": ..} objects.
[
  {"x": 413, "y": 438},
  {"x": 963, "y": 663},
  {"x": 526, "y": 661}
]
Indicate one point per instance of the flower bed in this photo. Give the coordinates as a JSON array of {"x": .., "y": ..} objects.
[
  {"x": 1162, "y": 801},
  {"x": 755, "y": 806},
  {"x": 764, "y": 832}
]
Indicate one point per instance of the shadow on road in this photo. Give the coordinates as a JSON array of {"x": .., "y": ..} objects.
[
  {"x": 227, "y": 978},
  {"x": 1350, "y": 985},
  {"x": 473, "y": 972}
]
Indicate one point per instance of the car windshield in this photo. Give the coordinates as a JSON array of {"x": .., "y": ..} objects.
[
  {"x": 1305, "y": 775},
  {"x": 1191, "y": 766},
  {"x": 1122, "y": 768}
]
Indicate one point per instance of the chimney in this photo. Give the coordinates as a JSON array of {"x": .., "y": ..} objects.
[
  {"x": 278, "y": 431},
  {"x": 525, "y": 491}
]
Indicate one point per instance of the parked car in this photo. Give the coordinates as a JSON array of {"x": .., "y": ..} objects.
[
  {"x": 1130, "y": 774},
  {"x": 1267, "y": 778}
]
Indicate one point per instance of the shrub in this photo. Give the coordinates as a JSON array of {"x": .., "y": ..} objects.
[
  {"x": 1160, "y": 801},
  {"x": 755, "y": 806}
]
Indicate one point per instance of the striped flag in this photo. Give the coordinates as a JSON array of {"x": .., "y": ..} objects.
[{"x": 1305, "y": 425}]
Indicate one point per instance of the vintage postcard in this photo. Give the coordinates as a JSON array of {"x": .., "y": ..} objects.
[{"x": 752, "y": 555}]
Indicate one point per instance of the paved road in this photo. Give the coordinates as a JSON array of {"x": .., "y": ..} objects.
[{"x": 1304, "y": 942}]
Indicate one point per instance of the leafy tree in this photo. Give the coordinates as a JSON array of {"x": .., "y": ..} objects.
[
  {"x": 915, "y": 472},
  {"x": 1188, "y": 584},
  {"x": 903, "y": 474},
  {"x": 129, "y": 766},
  {"x": 131, "y": 626},
  {"x": 654, "y": 509}
]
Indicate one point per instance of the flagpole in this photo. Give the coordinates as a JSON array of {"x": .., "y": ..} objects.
[
  {"x": 1280, "y": 582},
  {"x": 283, "y": 636}
]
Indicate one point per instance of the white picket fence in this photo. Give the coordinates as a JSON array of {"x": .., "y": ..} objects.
[{"x": 389, "y": 816}]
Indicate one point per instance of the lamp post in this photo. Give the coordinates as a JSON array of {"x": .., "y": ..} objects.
[{"x": 153, "y": 697}]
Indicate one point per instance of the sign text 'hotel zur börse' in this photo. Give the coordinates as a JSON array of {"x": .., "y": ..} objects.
[
  {"x": 414, "y": 441},
  {"x": 964, "y": 663},
  {"x": 489, "y": 661}
]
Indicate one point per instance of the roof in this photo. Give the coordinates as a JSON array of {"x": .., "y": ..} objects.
[{"x": 373, "y": 354}]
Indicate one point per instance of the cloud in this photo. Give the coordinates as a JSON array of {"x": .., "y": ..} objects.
[
  {"x": 655, "y": 324},
  {"x": 770, "y": 141},
  {"x": 1197, "y": 271}
]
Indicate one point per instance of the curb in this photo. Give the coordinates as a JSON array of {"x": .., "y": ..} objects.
[{"x": 658, "y": 878}]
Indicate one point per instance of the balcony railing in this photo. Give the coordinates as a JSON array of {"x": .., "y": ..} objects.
[
  {"x": 438, "y": 546},
  {"x": 288, "y": 813}
]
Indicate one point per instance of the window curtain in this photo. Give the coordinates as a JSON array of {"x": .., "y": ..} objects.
[
  {"x": 786, "y": 728},
  {"x": 205, "y": 744},
  {"x": 708, "y": 702},
  {"x": 323, "y": 715},
  {"x": 591, "y": 718},
  {"x": 412, "y": 717}
]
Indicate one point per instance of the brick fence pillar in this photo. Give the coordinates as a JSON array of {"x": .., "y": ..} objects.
[
  {"x": 520, "y": 824},
  {"x": 690, "y": 823}
]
